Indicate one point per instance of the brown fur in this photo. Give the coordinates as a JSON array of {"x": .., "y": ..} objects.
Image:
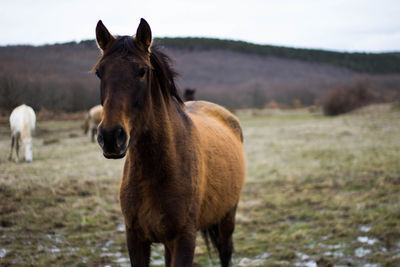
[{"x": 184, "y": 168}]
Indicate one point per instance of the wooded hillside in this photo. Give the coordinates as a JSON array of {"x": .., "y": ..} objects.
[{"x": 233, "y": 73}]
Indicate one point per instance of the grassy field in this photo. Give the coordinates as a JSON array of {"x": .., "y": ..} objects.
[{"x": 319, "y": 190}]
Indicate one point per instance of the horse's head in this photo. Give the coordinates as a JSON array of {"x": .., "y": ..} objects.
[
  {"x": 125, "y": 74},
  {"x": 27, "y": 143}
]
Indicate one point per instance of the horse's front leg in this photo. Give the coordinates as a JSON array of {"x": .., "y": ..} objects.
[
  {"x": 167, "y": 256},
  {"x": 182, "y": 249},
  {"x": 94, "y": 133},
  {"x": 139, "y": 251}
]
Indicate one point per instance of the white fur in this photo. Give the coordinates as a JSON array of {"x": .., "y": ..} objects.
[{"x": 22, "y": 121}]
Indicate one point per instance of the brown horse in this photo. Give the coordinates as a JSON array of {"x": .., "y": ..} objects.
[
  {"x": 184, "y": 168},
  {"x": 93, "y": 120}
]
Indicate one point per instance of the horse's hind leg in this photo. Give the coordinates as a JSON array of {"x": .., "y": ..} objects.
[
  {"x": 17, "y": 141},
  {"x": 223, "y": 235},
  {"x": 12, "y": 147}
]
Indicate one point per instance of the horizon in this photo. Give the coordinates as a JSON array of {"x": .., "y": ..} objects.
[{"x": 214, "y": 38}]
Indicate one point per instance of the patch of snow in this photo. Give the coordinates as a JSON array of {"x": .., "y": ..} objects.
[
  {"x": 310, "y": 263},
  {"x": 362, "y": 252},
  {"x": 121, "y": 227},
  {"x": 365, "y": 228},
  {"x": 302, "y": 256},
  {"x": 3, "y": 252},
  {"x": 250, "y": 262},
  {"x": 367, "y": 240}
]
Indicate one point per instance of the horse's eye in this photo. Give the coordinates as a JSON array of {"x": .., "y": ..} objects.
[
  {"x": 142, "y": 72},
  {"x": 98, "y": 74}
]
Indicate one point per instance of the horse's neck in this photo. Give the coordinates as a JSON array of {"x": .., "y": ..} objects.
[{"x": 155, "y": 150}]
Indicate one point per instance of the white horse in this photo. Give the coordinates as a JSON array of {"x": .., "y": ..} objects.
[{"x": 22, "y": 123}]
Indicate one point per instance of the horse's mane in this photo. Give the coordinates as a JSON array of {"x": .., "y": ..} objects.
[
  {"x": 159, "y": 62},
  {"x": 164, "y": 72}
]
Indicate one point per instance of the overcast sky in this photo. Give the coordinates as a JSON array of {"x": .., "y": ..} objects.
[{"x": 343, "y": 25}]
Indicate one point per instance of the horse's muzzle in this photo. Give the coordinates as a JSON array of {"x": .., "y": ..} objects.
[{"x": 113, "y": 142}]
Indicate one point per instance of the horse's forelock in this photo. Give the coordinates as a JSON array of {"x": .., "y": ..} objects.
[
  {"x": 125, "y": 46},
  {"x": 158, "y": 61}
]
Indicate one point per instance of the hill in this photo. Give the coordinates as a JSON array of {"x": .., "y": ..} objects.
[
  {"x": 235, "y": 74},
  {"x": 363, "y": 62}
]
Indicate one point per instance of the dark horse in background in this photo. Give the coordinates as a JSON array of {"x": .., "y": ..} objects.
[
  {"x": 189, "y": 94},
  {"x": 184, "y": 168}
]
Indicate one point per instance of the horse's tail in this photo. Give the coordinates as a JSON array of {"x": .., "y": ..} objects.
[{"x": 208, "y": 234}]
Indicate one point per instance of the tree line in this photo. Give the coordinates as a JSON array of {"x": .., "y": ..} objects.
[
  {"x": 44, "y": 95},
  {"x": 377, "y": 63}
]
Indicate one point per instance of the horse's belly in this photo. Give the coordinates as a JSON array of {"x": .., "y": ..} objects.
[
  {"x": 218, "y": 201},
  {"x": 223, "y": 181}
]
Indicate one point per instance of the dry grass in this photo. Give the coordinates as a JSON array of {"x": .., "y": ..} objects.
[{"x": 319, "y": 190}]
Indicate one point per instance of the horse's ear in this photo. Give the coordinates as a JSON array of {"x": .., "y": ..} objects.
[
  {"x": 103, "y": 36},
  {"x": 143, "y": 35}
]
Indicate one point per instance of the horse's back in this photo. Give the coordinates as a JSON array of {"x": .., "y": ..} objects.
[
  {"x": 21, "y": 117},
  {"x": 218, "y": 113},
  {"x": 223, "y": 164}
]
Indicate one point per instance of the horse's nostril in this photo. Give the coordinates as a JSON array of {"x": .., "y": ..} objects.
[
  {"x": 112, "y": 141},
  {"x": 120, "y": 137}
]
